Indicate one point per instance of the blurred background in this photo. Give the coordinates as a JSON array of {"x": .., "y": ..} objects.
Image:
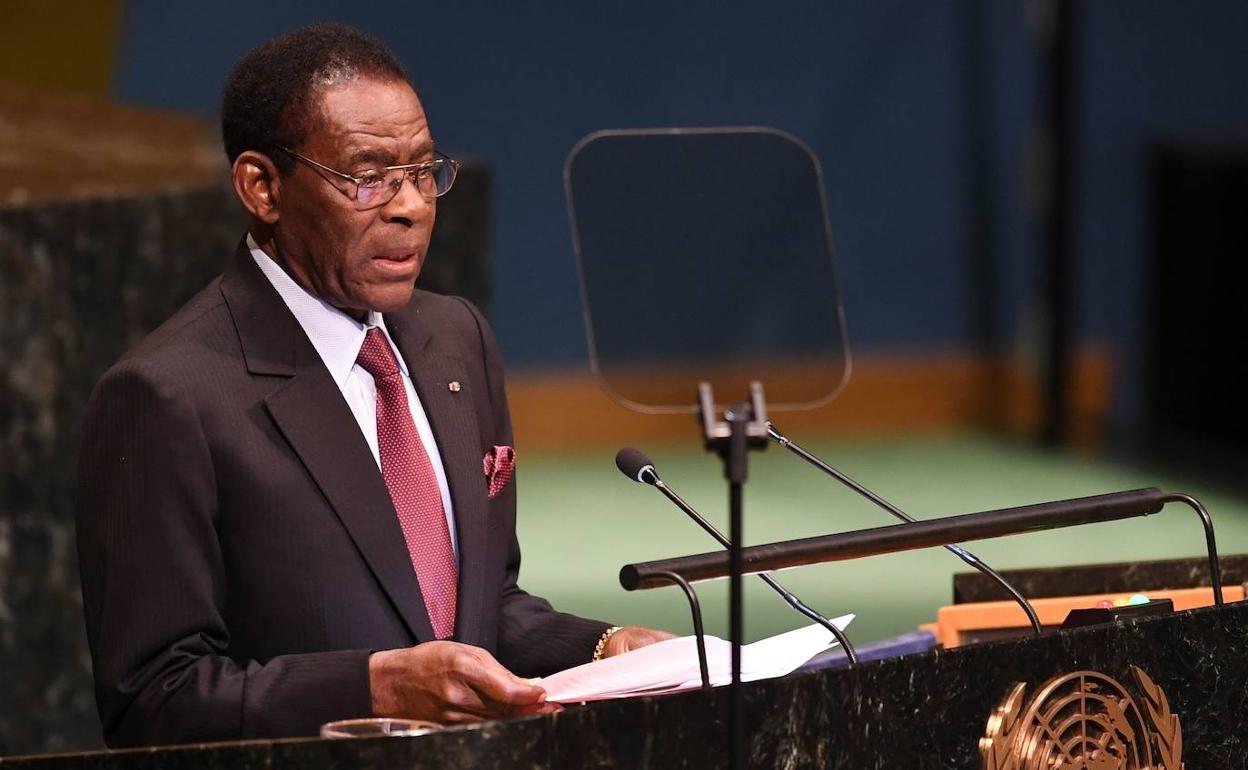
[{"x": 1038, "y": 210}]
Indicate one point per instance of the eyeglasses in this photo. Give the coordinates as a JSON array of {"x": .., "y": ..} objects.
[{"x": 377, "y": 187}]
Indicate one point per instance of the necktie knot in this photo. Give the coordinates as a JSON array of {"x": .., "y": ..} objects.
[{"x": 376, "y": 356}]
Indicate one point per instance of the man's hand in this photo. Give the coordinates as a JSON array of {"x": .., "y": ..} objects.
[
  {"x": 449, "y": 682},
  {"x": 631, "y": 638}
]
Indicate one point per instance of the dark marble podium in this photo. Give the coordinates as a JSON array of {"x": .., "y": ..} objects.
[{"x": 915, "y": 712}]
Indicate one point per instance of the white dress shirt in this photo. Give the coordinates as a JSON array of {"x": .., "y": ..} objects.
[{"x": 338, "y": 338}]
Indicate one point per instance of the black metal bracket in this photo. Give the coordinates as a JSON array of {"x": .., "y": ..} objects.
[
  {"x": 717, "y": 433},
  {"x": 695, "y": 609},
  {"x": 1215, "y": 569}
]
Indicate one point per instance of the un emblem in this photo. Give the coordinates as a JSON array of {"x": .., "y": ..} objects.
[{"x": 1084, "y": 721}]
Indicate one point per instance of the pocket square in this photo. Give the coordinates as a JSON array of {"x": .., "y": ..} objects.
[{"x": 499, "y": 463}]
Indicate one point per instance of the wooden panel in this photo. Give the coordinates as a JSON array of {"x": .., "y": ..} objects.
[
  {"x": 886, "y": 395},
  {"x": 57, "y": 146},
  {"x": 67, "y": 45}
]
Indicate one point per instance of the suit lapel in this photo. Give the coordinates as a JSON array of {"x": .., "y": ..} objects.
[
  {"x": 311, "y": 413},
  {"x": 455, "y": 429},
  {"x": 314, "y": 418}
]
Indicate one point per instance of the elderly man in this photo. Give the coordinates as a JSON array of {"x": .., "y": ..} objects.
[{"x": 295, "y": 494}]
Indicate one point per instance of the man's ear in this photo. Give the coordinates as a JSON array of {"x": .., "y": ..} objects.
[{"x": 258, "y": 185}]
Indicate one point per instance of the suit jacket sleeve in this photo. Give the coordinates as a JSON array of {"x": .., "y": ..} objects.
[
  {"x": 154, "y": 588},
  {"x": 534, "y": 639}
]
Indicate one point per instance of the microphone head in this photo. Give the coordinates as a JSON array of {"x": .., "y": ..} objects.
[{"x": 633, "y": 463}]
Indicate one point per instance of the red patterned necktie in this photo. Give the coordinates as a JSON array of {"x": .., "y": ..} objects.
[{"x": 413, "y": 485}]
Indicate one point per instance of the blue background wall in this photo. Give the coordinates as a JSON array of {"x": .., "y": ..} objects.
[
  {"x": 884, "y": 92},
  {"x": 1155, "y": 71}
]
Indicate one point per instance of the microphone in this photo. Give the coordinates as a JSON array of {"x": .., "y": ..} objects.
[
  {"x": 957, "y": 550},
  {"x": 634, "y": 464}
]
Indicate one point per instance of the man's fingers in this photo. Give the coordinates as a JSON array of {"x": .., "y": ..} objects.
[
  {"x": 463, "y": 703},
  {"x": 497, "y": 684},
  {"x": 503, "y": 688},
  {"x": 462, "y": 697},
  {"x": 631, "y": 638},
  {"x": 536, "y": 708},
  {"x": 449, "y": 682},
  {"x": 467, "y": 704}
]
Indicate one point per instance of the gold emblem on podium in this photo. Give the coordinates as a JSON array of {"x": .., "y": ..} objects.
[{"x": 1084, "y": 721}]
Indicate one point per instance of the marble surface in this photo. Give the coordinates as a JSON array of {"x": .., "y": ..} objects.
[
  {"x": 1121, "y": 577},
  {"x": 920, "y": 712},
  {"x": 80, "y": 281}
]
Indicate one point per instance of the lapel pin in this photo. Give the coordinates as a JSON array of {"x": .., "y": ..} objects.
[{"x": 454, "y": 386}]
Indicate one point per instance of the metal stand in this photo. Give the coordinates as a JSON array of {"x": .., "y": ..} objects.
[{"x": 744, "y": 427}]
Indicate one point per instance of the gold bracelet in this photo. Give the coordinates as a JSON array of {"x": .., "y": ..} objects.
[{"x": 602, "y": 642}]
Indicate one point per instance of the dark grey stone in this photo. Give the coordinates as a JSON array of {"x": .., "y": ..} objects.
[
  {"x": 920, "y": 712},
  {"x": 1120, "y": 577},
  {"x": 79, "y": 283}
]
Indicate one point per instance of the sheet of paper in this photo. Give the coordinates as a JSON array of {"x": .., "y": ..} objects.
[{"x": 672, "y": 665}]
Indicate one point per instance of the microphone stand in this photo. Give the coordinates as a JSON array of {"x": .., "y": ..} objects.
[
  {"x": 744, "y": 427},
  {"x": 966, "y": 556},
  {"x": 850, "y": 653}
]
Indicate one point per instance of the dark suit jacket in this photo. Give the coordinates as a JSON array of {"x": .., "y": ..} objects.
[{"x": 240, "y": 554}]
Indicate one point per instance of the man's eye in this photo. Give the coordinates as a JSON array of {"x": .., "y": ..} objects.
[{"x": 370, "y": 179}]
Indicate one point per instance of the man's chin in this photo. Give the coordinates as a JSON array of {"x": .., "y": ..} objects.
[
  {"x": 387, "y": 299},
  {"x": 393, "y": 298}
]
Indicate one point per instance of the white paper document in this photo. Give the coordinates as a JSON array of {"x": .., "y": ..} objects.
[{"x": 672, "y": 666}]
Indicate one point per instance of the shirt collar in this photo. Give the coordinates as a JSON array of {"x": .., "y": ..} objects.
[{"x": 336, "y": 336}]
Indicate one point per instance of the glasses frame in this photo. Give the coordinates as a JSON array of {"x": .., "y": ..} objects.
[{"x": 411, "y": 171}]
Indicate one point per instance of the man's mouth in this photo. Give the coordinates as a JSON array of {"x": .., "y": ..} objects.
[
  {"x": 400, "y": 266},
  {"x": 398, "y": 257}
]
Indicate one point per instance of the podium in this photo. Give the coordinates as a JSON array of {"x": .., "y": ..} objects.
[{"x": 928, "y": 710}]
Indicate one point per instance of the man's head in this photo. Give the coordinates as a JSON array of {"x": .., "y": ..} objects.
[{"x": 338, "y": 98}]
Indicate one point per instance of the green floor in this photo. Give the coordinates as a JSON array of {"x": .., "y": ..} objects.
[{"x": 580, "y": 520}]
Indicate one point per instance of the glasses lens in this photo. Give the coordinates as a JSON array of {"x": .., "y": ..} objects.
[
  {"x": 425, "y": 179},
  {"x": 432, "y": 180},
  {"x": 374, "y": 189},
  {"x": 444, "y": 174}
]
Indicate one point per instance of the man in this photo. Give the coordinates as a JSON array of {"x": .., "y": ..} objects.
[{"x": 295, "y": 503}]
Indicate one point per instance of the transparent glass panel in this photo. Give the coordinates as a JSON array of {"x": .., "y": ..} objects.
[{"x": 705, "y": 255}]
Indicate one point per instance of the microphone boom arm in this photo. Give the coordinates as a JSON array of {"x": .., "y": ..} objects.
[
  {"x": 966, "y": 556},
  {"x": 850, "y": 653}
]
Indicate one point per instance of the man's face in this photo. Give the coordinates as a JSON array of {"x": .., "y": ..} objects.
[{"x": 357, "y": 260}]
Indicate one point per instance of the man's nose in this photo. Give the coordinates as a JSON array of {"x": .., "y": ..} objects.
[{"x": 409, "y": 204}]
